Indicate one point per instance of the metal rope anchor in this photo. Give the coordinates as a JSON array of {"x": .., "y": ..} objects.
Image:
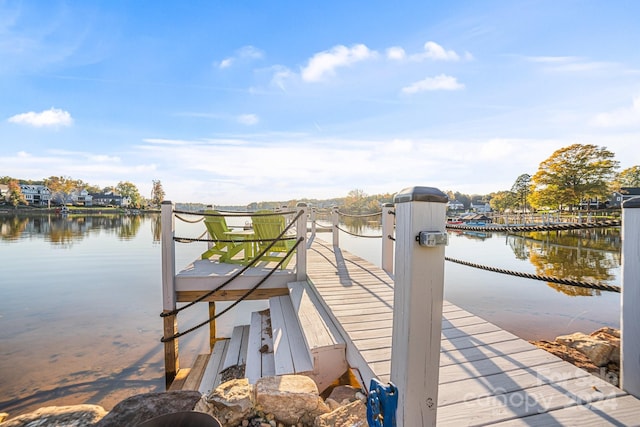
[{"x": 382, "y": 403}]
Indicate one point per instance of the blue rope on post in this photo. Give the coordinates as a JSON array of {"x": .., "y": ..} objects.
[{"x": 382, "y": 404}]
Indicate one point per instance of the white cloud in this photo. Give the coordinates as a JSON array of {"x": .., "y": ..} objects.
[
  {"x": 570, "y": 63},
  {"x": 441, "y": 82},
  {"x": 433, "y": 50},
  {"x": 225, "y": 63},
  {"x": 396, "y": 53},
  {"x": 248, "y": 119},
  {"x": 280, "y": 76},
  {"x": 51, "y": 117},
  {"x": 245, "y": 53},
  {"x": 324, "y": 64},
  {"x": 621, "y": 117}
]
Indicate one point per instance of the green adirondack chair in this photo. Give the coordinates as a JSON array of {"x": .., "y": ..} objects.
[
  {"x": 217, "y": 227},
  {"x": 266, "y": 229}
]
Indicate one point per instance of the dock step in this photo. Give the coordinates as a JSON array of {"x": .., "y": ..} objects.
[
  {"x": 305, "y": 341},
  {"x": 260, "y": 361},
  {"x": 211, "y": 377}
]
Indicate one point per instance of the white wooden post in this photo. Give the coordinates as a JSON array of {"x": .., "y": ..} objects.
[
  {"x": 313, "y": 214},
  {"x": 417, "y": 305},
  {"x": 167, "y": 222},
  {"x": 388, "y": 223},
  {"x": 335, "y": 219},
  {"x": 630, "y": 298},
  {"x": 301, "y": 251}
]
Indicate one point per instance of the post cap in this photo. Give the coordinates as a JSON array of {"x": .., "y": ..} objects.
[
  {"x": 301, "y": 205},
  {"x": 166, "y": 202},
  {"x": 631, "y": 203},
  {"x": 421, "y": 194}
]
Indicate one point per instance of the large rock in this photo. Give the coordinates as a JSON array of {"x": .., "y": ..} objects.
[
  {"x": 142, "y": 407},
  {"x": 230, "y": 402},
  {"x": 67, "y": 416},
  {"x": 291, "y": 399},
  {"x": 597, "y": 350},
  {"x": 352, "y": 415},
  {"x": 612, "y": 336},
  {"x": 344, "y": 393}
]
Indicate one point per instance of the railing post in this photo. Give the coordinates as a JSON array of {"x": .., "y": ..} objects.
[
  {"x": 170, "y": 327},
  {"x": 388, "y": 222},
  {"x": 313, "y": 221},
  {"x": 335, "y": 219},
  {"x": 301, "y": 251},
  {"x": 630, "y": 298},
  {"x": 417, "y": 304}
]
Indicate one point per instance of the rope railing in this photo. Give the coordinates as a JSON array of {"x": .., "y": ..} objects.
[
  {"x": 232, "y": 214},
  {"x": 357, "y": 235},
  {"x": 237, "y": 274},
  {"x": 346, "y": 215},
  {"x": 188, "y": 220},
  {"x": 550, "y": 279},
  {"x": 238, "y": 301},
  {"x": 547, "y": 227}
]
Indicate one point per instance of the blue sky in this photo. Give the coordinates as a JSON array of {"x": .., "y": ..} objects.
[{"x": 229, "y": 102}]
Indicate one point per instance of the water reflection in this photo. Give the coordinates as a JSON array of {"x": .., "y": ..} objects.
[
  {"x": 585, "y": 255},
  {"x": 62, "y": 230}
]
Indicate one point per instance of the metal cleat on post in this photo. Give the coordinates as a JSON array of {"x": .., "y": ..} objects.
[{"x": 382, "y": 404}]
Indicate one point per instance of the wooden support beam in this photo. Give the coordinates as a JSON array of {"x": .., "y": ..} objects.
[
  {"x": 212, "y": 325},
  {"x": 171, "y": 361},
  {"x": 231, "y": 295}
]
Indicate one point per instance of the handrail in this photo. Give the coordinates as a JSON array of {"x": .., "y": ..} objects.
[
  {"x": 235, "y": 275},
  {"x": 238, "y": 301}
]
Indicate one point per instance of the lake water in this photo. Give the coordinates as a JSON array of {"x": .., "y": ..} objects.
[{"x": 81, "y": 297}]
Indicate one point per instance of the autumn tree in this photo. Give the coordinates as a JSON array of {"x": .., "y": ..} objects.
[
  {"x": 15, "y": 196},
  {"x": 520, "y": 189},
  {"x": 355, "y": 202},
  {"x": 502, "y": 200},
  {"x": 60, "y": 187},
  {"x": 629, "y": 177},
  {"x": 127, "y": 189},
  {"x": 573, "y": 174},
  {"x": 157, "y": 193}
]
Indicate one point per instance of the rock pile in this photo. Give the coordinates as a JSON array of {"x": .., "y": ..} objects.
[
  {"x": 282, "y": 401},
  {"x": 598, "y": 352}
]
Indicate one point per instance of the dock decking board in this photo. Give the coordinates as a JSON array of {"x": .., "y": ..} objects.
[{"x": 487, "y": 375}]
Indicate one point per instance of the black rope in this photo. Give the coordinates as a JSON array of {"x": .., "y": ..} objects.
[
  {"x": 571, "y": 282},
  {"x": 234, "y": 276},
  {"x": 549, "y": 227},
  {"x": 239, "y": 300},
  {"x": 358, "y": 235},
  {"x": 359, "y": 216},
  {"x": 235, "y": 213},
  {"x": 189, "y": 221},
  {"x": 198, "y": 239}
]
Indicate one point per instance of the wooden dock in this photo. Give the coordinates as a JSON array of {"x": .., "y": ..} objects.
[{"x": 487, "y": 375}]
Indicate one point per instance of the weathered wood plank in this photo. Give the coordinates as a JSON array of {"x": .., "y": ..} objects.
[
  {"x": 253, "y": 369},
  {"x": 197, "y": 371},
  {"x": 281, "y": 346},
  {"x": 208, "y": 381}
]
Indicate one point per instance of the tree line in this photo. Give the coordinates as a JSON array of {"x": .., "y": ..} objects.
[{"x": 61, "y": 187}]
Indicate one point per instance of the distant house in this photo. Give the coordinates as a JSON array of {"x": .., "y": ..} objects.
[
  {"x": 623, "y": 195},
  {"x": 81, "y": 197},
  {"x": 4, "y": 192},
  {"x": 480, "y": 207},
  {"x": 455, "y": 205},
  {"x": 36, "y": 195},
  {"x": 109, "y": 199}
]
